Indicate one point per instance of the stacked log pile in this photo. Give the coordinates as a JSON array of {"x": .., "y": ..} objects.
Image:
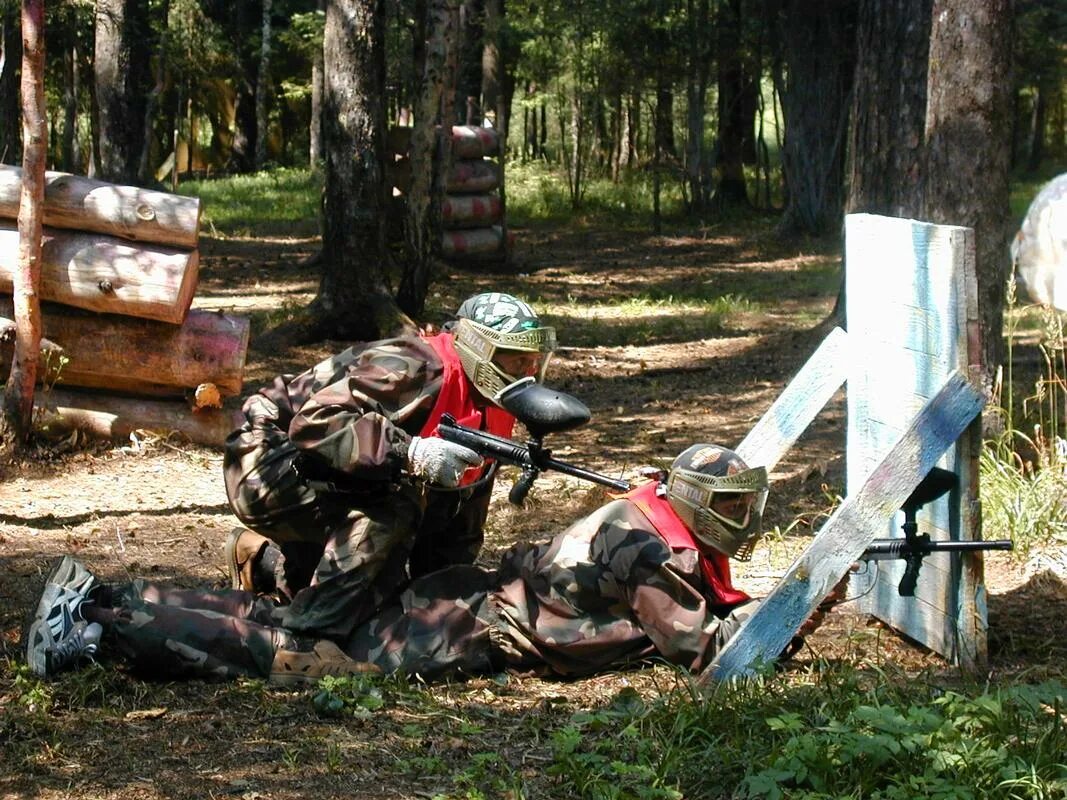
[
  {"x": 118, "y": 274},
  {"x": 472, "y": 210}
]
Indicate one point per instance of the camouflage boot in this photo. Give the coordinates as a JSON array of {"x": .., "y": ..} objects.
[
  {"x": 243, "y": 549},
  {"x": 296, "y": 664}
]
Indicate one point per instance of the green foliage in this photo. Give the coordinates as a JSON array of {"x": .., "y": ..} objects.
[
  {"x": 281, "y": 202},
  {"x": 1024, "y": 477},
  {"x": 847, "y": 734},
  {"x": 537, "y": 193}
]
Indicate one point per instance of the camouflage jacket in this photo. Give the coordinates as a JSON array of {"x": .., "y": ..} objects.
[
  {"x": 606, "y": 591},
  {"x": 347, "y": 421}
]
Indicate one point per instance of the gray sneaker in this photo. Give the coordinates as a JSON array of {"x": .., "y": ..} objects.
[
  {"x": 69, "y": 582},
  {"x": 48, "y": 653},
  {"x": 57, "y": 635}
]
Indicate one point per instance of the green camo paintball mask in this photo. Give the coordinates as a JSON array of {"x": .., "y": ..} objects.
[
  {"x": 719, "y": 498},
  {"x": 500, "y": 340}
]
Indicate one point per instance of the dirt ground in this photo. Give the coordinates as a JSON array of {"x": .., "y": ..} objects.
[{"x": 156, "y": 507}]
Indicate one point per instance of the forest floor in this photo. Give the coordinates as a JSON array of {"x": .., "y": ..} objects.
[{"x": 658, "y": 373}]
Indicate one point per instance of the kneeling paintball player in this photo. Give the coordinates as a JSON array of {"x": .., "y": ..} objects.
[{"x": 645, "y": 575}]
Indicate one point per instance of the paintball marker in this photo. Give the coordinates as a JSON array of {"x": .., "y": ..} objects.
[
  {"x": 542, "y": 411},
  {"x": 914, "y": 547}
]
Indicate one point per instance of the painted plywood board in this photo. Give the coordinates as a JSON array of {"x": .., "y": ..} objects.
[{"x": 912, "y": 310}]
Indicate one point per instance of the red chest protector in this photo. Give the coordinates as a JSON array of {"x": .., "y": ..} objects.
[
  {"x": 459, "y": 398},
  {"x": 665, "y": 522}
]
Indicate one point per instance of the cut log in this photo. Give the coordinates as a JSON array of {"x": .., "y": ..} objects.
[
  {"x": 468, "y": 141},
  {"x": 108, "y": 417},
  {"x": 470, "y": 210},
  {"x": 474, "y": 141},
  {"x": 136, "y": 356},
  {"x": 78, "y": 203},
  {"x": 106, "y": 274},
  {"x": 473, "y": 241},
  {"x": 468, "y": 176},
  {"x": 473, "y": 175}
]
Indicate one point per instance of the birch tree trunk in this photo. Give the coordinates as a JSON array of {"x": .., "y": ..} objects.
[
  {"x": 18, "y": 394},
  {"x": 430, "y": 154}
]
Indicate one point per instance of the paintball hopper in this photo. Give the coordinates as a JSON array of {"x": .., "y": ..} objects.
[{"x": 541, "y": 409}]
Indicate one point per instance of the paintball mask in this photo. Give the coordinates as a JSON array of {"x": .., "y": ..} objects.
[
  {"x": 500, "y": 340},
  {"x": 719, "y": 498}
]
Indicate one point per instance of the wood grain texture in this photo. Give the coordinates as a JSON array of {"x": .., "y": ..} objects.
[
  {"x": 129, "y": 212},
  {"x": 806, "y": 395},
  {"x": 849, "y": 530}
]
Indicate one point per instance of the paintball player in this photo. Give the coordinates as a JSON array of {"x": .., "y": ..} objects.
[
  {"x": 645, "y": 575},
  {"x": 340, "y": 475}
]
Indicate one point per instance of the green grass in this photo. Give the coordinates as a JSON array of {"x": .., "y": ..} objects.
[
  {"x": 281, "y": 202},
  {"x": 845, "y": 734}
]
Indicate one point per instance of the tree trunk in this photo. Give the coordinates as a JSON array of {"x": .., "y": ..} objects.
[
  {"x": 149, "y": 154},
  {"x": 471, "y": 41},
  {"x": 121, "y": 70},
  {"x": 819, "y": 47},
  {"x": 730, "y": 192},
  {"x": 886, "y": 136},
  {"x": 968, "y": 124},
  {"x": 70, "y": 108},
  {"x": 315, "y": 134},
  {"x": 491, "y": 61},
  {"x": 352, "y": 302},
  {"x": 696, "y": 167},
  {"x": 16, "y": 423},
  {"x": 262, "y": 87},
  {"x": 10, "y": 60},
  {"x": 430, "y": 153}
]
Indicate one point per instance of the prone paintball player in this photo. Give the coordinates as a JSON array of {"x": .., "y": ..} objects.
[
  {"x": 645, "y": 575},
  {"x": 341, "y": 478}
]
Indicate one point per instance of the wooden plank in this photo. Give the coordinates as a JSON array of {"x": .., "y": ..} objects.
[
  {"x": 806, "y": 395},
  {"x": 107, "y": 274},
  {"x": 849, "y": 530},
  {"x": 912, "y": 309},
  {"x": 79, "y": 203}
]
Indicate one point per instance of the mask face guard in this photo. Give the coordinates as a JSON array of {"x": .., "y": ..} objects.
[
  {"x": 478, "y": 345},
  {"x": 692, "y": 494}
]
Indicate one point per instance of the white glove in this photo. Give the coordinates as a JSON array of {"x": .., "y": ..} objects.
[{"x": 440, "y": 462}]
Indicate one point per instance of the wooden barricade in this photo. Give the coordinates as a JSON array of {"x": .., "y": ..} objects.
[
  {"x": 472, "y": 211},
  {"x": 119, "y": 272},
  {"x": 914, "y": 402}
]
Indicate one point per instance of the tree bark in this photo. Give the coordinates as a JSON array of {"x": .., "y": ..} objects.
[
  {"x": 121, "y": 71},
  {"x": 698, "y": 175},
  {"x": 10, "y": 61},
  {"x": 107, "y": 417},
  {"x": 430, "y": 152},
  {"x": 819, "y": 48},
  {"x": 968, "y": 125},
  {"x": 470, "y": 39},
  {"x": 262, "y": 86},
  {"x": 17, "y": 418},
  {"x": 352, "y": 302},
  {"x": 315, "y": 135},
  {"x": 730, "y": 191},
  {"x": 138, "y": 356},
  {"x": 884, "y": 165}
]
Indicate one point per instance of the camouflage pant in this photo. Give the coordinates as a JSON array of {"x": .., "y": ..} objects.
[
  {"x": 440, "y": 625},
  {"x": 342, "y": 563},
  {"x": 169, "y": 632}
]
